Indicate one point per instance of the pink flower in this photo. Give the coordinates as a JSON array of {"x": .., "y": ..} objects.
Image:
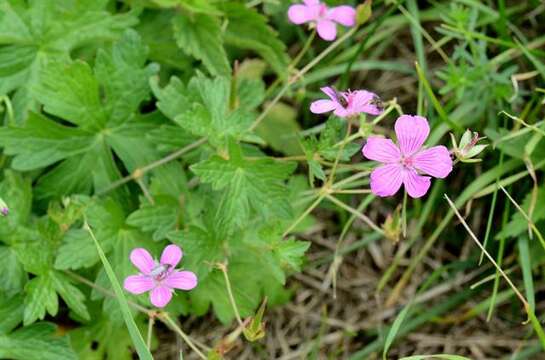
[
  {"x": 319, "y": 14},
  {"x": 405, "y": 163},
  {"x": 159, "y": 278},
  {"x": 347, "y": 103}
]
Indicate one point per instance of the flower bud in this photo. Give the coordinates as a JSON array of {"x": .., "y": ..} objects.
[
  {"x": 4, "y": 210},
  {"x": 468, "y": 148}
]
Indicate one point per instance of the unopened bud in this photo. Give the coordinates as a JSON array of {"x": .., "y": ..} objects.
[
  {"x": 4, "y": 210},
  {"x": 468, "y": 148}
]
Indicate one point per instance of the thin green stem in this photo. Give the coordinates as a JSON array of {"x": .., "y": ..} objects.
[
  {"x": 141, "y": 171},
  {"x": 303, "y": 50},
  {"x": 490, "y": 258},
  {"x": 145, "y": 190},
  {"x": 223, "y": 269},
  {"x": 361, "y": 191},
  {"x": 404, "y": 214},
  {"x": 304, "y": 215},
  {"x": 350, "y": 209},
  {"x": 151, "y": 322},
  {"x": 526, "y": 217}
]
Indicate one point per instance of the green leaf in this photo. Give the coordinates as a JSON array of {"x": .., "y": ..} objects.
[
  {"x": 124, "y": 77},
  {"x": 158, "y": 219},
  {"x": 77, "y": 251},
  {"x": 106, "y": 121},
  {"x": 73, "y": 297},
  {"x": 34, "y": 247},
  {"x": 71, "y": 92},
  {"x": 13, "y": 275},
  {"x": 195, "y": 6},
  {"x": 102, "y": 340},
  {"x": 36, "y": 342},
  {"x": 202, "y": 108},
  {"x": 172, "y": 99},
  {"x": 202, "y": 247},
  {"x": 169, "y": 138},
  {"x": 16, "y": 191},
  {"x": 199, "y": 35},
  {"x": 40, "y": 298},
  {"x": 42, "y": 142},
  {"x": 69, "y": 177},
  {"x": 248, "y": 29},
  {"x": 280, "y": 128},
  {"x": 213, "y": 292},
  {"x": 44, "y": 32},
  {"x": 11, "y": 312},
  {"x": 129, "y": 142},
  {"x": 246, "y": 186},
  {"x": 290, "y": 253}
]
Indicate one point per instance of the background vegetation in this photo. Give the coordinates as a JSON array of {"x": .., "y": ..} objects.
[{"x": 148, "y": 122}]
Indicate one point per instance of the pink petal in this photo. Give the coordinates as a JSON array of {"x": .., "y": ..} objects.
[
  {"x": 411, "y": 132},
  {"x": 184, "y": 280},
  {"x": 362, "y": 102},
  {"x": 299, "y": 14},
  {"x": 322, "y": 106},
  {"x": 386, "y": 180},
  {"x": 371, "y": 109},
  {"x": 344, "y": 15},
  {"x": 416, "y": 185},
  {"x": 340, "y": 111},
  {"x": 160, "y": 296},
  {"x": 330, "y": 91},
  {"x": 171, "y": 255},
  {"x": 435, "y": 161},
  {"x": 327, "y": 30},
  {"x": 138, "y": 284},
  {"x": 380, "y": 149},
  {"x": 311, "y": 2},
  {"x": 142, "y": 259}
]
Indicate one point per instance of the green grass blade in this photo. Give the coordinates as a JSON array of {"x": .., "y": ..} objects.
[
  {"x": 436, "y": 104},
  {"x": 413, "y": 323},
  {"x": 394, "y": 329},
  {"x": 435, "y": 356},
  {"x": 499, "y": 260},
  {"x": 525, "y": 263},
  {"x": 137, "y": 339},
  {"x": 538, "y": 64}
]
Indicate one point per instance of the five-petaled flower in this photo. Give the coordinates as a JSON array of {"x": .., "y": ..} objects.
[
  {"x": 324, "y": 18},
  {"x": 347, "y": 103},
  {"x": 159, "y": 278},
  {"x": 405, "y": 164}
]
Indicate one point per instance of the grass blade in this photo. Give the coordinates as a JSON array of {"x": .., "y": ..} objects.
[
  {"x": 435, "y": 356},
  {"x": 394, "y": 329},
  {"x": 525, "y": 263},
  {"x": 436, "y": 104},
  {"x": 137, "y": 339}
]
